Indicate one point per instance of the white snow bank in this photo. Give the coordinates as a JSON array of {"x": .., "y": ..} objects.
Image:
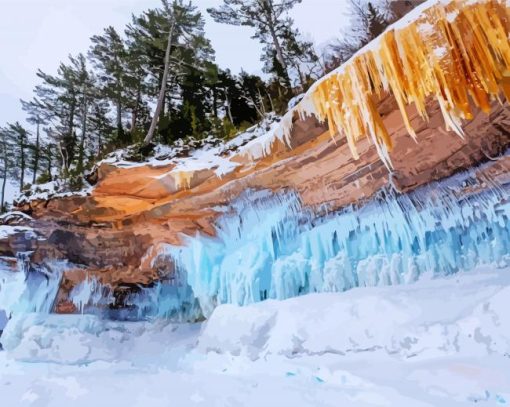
[
  {"x": 467, "y": 312},
  {"x": 81, "y": 339},
  {"x": 461, "y": 325}
]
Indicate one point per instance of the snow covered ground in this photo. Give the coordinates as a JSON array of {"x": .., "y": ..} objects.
[{"x": 438, "y": 342}]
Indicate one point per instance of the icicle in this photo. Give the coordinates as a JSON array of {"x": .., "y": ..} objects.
[{"x": 450, "y": 51}]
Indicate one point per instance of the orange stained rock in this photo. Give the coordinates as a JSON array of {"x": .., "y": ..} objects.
[{"x": 458, "y": 53}]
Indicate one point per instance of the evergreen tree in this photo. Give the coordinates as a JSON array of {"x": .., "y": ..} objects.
[
  {"x": 101, "y": 130},
  {"x": 270, "y": 20},
  {"x": 234, "y": 93},
  {"x": 66, "y": 98},
  {"x": 110, "y": 58},
  {"x": 137, "y": 89},
  {"x": 7, "y": 160},
  {"x": 87, "y": 91},
  {"x": 48, "y": 153},
  {"x": 17, "y": 136},
  {"x": 174, "y": 42},
  {"x": 59, "y": 95},
  {"x": 38, "y": 116}
]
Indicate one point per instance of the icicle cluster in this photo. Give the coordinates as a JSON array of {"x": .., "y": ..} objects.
[{"x": 457, "y": 53}]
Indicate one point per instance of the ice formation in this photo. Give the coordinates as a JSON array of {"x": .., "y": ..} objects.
[
  {"x": 455, "y": 52},
  {"x": 29, "y": 289},
  {"x": 274, "y": 249},
  {"x": 269, "y": 247}
]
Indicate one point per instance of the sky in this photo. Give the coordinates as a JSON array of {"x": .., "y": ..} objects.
[{"x": 40, "y": 33}]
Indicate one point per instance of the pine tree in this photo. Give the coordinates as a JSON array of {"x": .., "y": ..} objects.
[
  {"x": 48, "y": 152},
  {"x": 268, "y": 17},
  {"x": 137, "y": 89},
  {"x": 38, "y": 116},
  {"x": 7, "y": 160},
  {"x": 101, "y": 130},
  {"x": 85, "y": 82},
  {"x": 17, "y": 135},
  {"x": 59, "y": 96},
  {"x": 65, "y": 98},
  {"x": 110, "y": 58},
  {"x": 174, "y": 42}
]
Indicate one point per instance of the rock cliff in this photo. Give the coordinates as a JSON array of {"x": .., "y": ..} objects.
[{"x": 424, "y": 102}]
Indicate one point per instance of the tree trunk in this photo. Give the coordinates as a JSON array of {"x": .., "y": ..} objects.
[
  {"x": 215, "y": 102},
  {"x": 119, "y": 117},
  {"x": 81, "y": 157},
  {"x": 162, "y": 92},
  {"x": 2, "y": 207},
  {"x": 36, "y": 157},
  {"x": 99, "y": 143},
  {"x": 22, "y": 175},
  {"x": 48, "y": 168},
  {"x": 278, "y": 48},
  {"x": 229, "y": 111},
  {"x": 134, "y": 114},
  {"x": 274, "y": 37},
  {"x": 69, "y": 142}
]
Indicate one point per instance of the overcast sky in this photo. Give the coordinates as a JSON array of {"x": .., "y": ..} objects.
[{"x": 41, "y": 33}]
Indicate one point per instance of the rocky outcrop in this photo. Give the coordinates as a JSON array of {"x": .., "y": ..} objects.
[
  {"x": 134, "y": 209},
  {"x": 114, "y": 232}
]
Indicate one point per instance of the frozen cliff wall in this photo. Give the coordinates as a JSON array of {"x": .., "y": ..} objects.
[{"x": 350, "y": 188}]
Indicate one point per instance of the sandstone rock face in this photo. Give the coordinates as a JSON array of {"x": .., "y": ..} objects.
[
  {"x": 114, "y": 231},
  {"x": 387, "y": 133}
]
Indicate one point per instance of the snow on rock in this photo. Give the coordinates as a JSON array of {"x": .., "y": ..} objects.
[
  {"x": 7, "y": 230},
  {"x": 433, "y": 318},
  {"x": 14, "y": 218},
  {"x": 295, "y": 100},
  {"x": 190, "y": 156},
  {"x": 50, "y": 190}
]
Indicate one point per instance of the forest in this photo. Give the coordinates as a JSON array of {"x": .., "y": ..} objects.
[{"x": 156, "y": 81}]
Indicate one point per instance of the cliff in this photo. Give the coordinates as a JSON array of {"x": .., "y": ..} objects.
[{"x": 425, "y": 101}]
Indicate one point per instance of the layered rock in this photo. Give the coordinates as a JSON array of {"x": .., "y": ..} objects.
[{"x": 421, "y": 104}]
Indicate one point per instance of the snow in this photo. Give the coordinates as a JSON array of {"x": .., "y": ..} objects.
[
  {"x": 78, "y": 340},
  {"x": 185, "y": 158},
  {"x": 429, "y": 319},
  {"x": 13, "y": 216},
  {"x": 439, "y": 342},
  {"x": 7, "y": 230},
  {"x": 50, "y": 190}
]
